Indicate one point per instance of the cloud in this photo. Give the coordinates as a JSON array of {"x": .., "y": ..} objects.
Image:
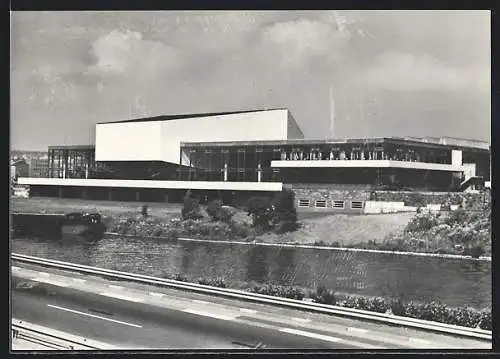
[
  {"x": 296, "y": 42},
  {"x": 407, "y": 72},
  {"x": 127, "y": 52}
]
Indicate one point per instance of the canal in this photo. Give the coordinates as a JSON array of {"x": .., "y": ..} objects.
[{"x": 456, "y": 282}]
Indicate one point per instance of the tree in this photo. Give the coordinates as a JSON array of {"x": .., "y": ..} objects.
[
  {"x": 261, "y": 211},
  {"x": 284, "y": 215},
  {"x": 191, "y": 209}
]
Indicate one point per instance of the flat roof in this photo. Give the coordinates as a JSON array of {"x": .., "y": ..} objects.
[
  {"x": 428, "y": 142},
  {"x": 186, "y": 116},
  {"x": 72, "y": 147}
]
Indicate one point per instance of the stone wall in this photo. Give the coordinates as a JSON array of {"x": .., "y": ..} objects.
[{"x": 421, "y": 199}]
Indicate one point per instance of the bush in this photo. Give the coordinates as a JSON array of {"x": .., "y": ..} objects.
[
  {"x": 324, "y": 296},
  {"x": 144, "y": 210},
  {"x": 261, "y": 211},
  {"x": 217, "y": 212},
  {"x": 217, "y": 282},
  {"x": 279, "y": 291},
  {"x": 475, "y": 251},
  {"x": 284, "y": 215},
  {"x": 191, "y": 209}
]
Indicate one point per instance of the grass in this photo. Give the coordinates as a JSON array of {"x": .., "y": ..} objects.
[{"x": 344, "y": 229}]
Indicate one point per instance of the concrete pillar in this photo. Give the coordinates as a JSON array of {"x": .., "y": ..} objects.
[
  {"x": 85, "y": 193},
  {"x": 225, "y": 172},
  {"x": 60, "y": 192},
  {"x": 166, "y": 197},
  {"x": 259, "y": 173},
  {"x": 137, "y": 196},
  {"x": 110, "y": 194}
]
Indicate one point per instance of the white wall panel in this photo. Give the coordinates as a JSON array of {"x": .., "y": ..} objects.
[
  {"x": 251, "y": 126},
  {"x": 132, "y": 141}
]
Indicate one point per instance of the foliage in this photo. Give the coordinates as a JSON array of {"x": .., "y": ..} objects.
[
  {"x": 217, "y": 212},
  {"x": 284, "y": 216},
  {"x": 216, "y": 282},
  {"x": 191, "y": 208},
  {"x": 279, "y": 291},
  {"x": 261, "y": 211},
  {"x": 323, "y": 295}
]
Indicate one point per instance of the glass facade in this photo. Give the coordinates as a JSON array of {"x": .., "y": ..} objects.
[
  {"x": 72, "y": 162},
  {"x": 252, "y": 162}
]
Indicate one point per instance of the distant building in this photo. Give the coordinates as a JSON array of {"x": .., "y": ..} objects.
[
  {"x": 19, "y": 168},
  {"x": 39, "y": 167}
]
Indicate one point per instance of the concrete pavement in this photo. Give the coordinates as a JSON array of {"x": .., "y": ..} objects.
[{"x": 165, "y": 318}]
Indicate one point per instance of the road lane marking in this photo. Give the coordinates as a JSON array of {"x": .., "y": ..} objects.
[
  {"x": 94, "y": 316},
  {"x": 200, "y": 301},
  {"x": 154, "y": 294},
  {"x": 45, "y": 274},
  {"x": 49, "y": 281},
  {"x": 14, "y": 268},
  {"x": 310, "y": 335},
  {"x": 123, "y": 297},
  {"x": 420, "y": 341},
  {"x": 302, "y": 320},
  {"x": 357, "y": 330},
  {"x": 113, "y": 286},
  {"x": 79, "y": 280},
  {"x": 249, "y": 311},
  {"x": 207, "y": 314}
]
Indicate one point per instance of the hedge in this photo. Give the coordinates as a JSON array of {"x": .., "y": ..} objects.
[{"x": 432, "y": 311}]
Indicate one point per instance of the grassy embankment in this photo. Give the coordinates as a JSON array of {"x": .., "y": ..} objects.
[{"x": 165, "y": 220}]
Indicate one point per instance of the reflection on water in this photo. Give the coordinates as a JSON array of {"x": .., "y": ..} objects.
[{"x": 454, "y": 282}]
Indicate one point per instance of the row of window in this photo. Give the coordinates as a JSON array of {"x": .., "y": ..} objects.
[{"x": 306, "y": 203}]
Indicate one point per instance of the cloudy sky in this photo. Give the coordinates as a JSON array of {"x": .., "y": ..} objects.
[{"x": 393, "y": 73}]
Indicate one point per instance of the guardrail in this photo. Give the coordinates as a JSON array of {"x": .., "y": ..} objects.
[
  {"x": 52, "y": 341},
  {"x": 261, "y": 298}
]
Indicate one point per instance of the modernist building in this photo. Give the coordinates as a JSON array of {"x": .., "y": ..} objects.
[{"x": 234, "y": 155}]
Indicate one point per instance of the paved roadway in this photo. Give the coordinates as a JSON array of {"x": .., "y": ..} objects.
[{"x": 135, "y": 316}]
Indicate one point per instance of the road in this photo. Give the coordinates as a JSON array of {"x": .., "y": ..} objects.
[{"x": 134, "y": 316}]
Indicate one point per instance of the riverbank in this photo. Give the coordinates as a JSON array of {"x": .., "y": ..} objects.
[{"x": 464, "y": 232}]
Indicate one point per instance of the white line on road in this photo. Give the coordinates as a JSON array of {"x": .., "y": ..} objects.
[
  {"x": 420, "y": 342},
  {"x": 357, "y": 330},
  {"x": 311, "y": 335},
  {"x": 154, "y": 294},
  {"x": 45, "y": 274},
  {"x": 200, "y": 301},
  {"x": 94, "y": 316},
  {"x": 123, "y": 297},
  {"x": 49, "y": 281},
  {"x": 249, "y": 311},
  {"x": 113, "y": 286},
  {"x": 212, "y": 315},
  {"x": 302, "y": 320},
  {"x": 78, "y": 280},
  {"x": 14, "y": 268}
]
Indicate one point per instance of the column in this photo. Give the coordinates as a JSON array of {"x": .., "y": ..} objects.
[
  {"x": 225, "y": 172},
  {"x": 259, "y": 173},
  {"x": 110, "y": 194},
  {"x": 60, "y": 192},
  {"x": 137, "y": 196}
]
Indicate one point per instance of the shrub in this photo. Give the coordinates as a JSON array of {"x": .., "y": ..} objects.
[
  {"x": 324, "y": 296},
  {"x": 398, "y": 307},
  {"x": 284, "y": 214},
  {"x": 475, "y": 251},
  {"x": 144, "y": 210},
  {"x": 191, "y": 208},
  {"x": 279, "y": 291},
  {"x": 217, "y": 212},
  {"x": 217, "y": 282},
  {"x": 181, "y": 278},
  {"x": 261, "y": 211}
]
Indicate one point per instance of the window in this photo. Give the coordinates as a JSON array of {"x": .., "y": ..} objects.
[
  {"x": 320, "y": 204},
  {"x": 303, "y": 203},
  {"x": 338, "y": 204},
  {"x": 356, "y": 205}
]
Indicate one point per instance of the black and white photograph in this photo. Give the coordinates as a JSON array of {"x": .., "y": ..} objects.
[{"x": 250, "y": 181}]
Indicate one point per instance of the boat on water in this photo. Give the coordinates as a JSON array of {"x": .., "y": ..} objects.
[{"x": 57, "y": 226}]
